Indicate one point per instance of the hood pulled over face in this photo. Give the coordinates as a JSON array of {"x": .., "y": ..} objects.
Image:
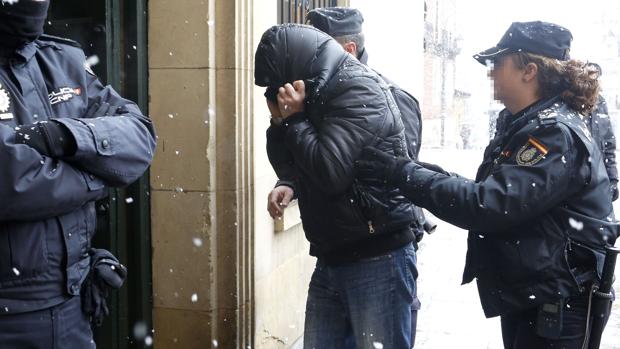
[{"x": 291, "y": 52}]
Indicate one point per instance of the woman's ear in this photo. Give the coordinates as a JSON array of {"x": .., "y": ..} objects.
[{"x": 529, "y": 72}]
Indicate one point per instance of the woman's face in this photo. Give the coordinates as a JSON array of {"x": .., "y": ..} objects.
[{"x": 507, "y": 79}]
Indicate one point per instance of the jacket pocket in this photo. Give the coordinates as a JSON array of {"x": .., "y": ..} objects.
[{"x": 24, "y": 250}]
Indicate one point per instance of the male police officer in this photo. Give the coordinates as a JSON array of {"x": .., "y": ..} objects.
[
  {"x": 64, "y": 139},
  {"x": 344, "y": 24}
]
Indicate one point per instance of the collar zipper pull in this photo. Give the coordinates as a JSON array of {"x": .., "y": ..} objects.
[{"x": 371, "y": 229}]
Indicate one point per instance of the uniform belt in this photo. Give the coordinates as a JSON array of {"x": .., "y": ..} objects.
[{"x": 585, "y": 277}]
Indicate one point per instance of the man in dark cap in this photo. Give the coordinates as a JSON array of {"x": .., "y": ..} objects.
[
  {"x": 344, "y": 24},
  {"x": 64, "y": 140},
  {"x": 538, "y": 213}
]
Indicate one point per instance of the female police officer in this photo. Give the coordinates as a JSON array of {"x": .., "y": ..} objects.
[{"x": 538, "y": 212}]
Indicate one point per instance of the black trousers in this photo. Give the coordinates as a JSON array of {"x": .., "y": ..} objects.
[
  {"x": 61, "y": 327},
  {"x": 519, "y": 329}
]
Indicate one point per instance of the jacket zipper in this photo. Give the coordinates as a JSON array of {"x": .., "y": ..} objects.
[{"x": 371, "y": 229}]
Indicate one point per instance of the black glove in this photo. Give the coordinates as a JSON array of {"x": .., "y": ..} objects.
[
  {"x": 106, "y": 272},
  {"x": 377, "y": 166},
  {"x": 614, "y": 189},
  {"x": 49, "y": 138},
  {"x": 433, "y": 167}
]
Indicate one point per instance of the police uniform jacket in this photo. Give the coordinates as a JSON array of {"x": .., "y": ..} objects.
[
  {"x": 603, "y": 136},
  {"x": 47, "y": 205},
  {"x": 539, "y": 213}
]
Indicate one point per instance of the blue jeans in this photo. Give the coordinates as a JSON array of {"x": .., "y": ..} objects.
[{"x": 372, "y": 298}]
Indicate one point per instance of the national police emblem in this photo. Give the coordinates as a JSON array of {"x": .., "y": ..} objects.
[
  {"x": 531, "y": 153},
  {"x": 5, "y": 105}
]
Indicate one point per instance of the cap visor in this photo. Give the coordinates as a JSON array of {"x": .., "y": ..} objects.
[{"x": 490, "y": 54}]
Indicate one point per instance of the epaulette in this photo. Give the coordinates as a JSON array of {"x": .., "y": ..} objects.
[
  {"x": 58, "y": 39},
  {"x": 548, "y": 116}
]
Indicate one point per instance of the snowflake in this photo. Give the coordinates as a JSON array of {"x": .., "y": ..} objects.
[{"x": 5, "y": 101}]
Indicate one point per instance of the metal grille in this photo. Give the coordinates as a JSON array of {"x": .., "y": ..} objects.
[{"x": 294, "y": 11}]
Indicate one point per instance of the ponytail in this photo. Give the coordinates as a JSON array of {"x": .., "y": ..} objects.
[{"x": 576, "y": 82}]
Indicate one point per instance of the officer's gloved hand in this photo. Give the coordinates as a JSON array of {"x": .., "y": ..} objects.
[
  {"x": 614, "y": 189},
  {"x": 379, "y": 167},
  {"x": 50, "y": 138},
  {"x": 433, "y": 167}
]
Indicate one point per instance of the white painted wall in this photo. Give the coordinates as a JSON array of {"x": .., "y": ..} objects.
[{"x": 282, "y": 266}]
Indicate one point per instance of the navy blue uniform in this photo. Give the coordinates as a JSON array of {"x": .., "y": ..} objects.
[
  {"x": 47, "y": 205},
  {"x": 539, "y": 216},
  {"x": 602, "y": 132}
]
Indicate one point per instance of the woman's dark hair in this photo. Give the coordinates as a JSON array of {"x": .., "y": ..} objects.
[{"x": 576, "y": 81}]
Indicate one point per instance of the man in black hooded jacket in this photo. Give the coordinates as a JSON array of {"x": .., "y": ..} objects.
[{"x": 326, "y": 106}]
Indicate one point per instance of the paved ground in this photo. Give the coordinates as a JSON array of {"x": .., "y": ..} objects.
[{"x": 451, "y": 316}]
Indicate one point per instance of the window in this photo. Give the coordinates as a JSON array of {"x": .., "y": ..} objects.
[{"x": 294, "y": 11}]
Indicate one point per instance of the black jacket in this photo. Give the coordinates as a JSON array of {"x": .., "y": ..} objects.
[
  {"x": 347, "y": 107},
  {"x": 538, "y": 212},
  {"x": 603, "y": 135}
]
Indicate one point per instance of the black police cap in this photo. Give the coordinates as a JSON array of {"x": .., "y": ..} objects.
[
  {"x": 542, "y": 38},
  {"x": 336, "y": 21}
]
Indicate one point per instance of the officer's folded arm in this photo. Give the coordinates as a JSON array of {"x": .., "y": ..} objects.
[
  {"x": 114, "y": 141},
  {"x": 35, "y": 186}
]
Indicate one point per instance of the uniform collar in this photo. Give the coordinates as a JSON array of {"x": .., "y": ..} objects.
[
  {"x": 531, "y": 111},
  {"x": 27, "y": 51},
  {"x": 514, "y": 123},
  {"x": 363, "y": 56}
]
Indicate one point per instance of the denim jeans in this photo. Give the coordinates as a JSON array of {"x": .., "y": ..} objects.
[
  {"x": 372, "y": 298},
  {"x": 59, "y": 327}
]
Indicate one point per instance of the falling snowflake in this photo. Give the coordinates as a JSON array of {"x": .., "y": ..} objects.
[
  {"x": 194, "y": 298},
  {"x": 575, "y": 224},
  {"x": 140, "y": 330},
  {"x": 197, "y": 242}
]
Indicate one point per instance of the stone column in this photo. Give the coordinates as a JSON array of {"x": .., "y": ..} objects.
[{"x": 202, "y": 209}]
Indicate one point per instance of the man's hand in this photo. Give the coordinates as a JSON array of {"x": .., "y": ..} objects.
[
  {"x": 278, "y": 200},
  {"x": 379, "y": 167},
  {"x": 274, "y": 110},
  {"x": 291, "y": 98}
]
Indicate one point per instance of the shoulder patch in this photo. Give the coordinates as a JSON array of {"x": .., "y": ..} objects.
[
  {"x": 531, "y": 153},
  {"x": 57, "y": 39}
]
